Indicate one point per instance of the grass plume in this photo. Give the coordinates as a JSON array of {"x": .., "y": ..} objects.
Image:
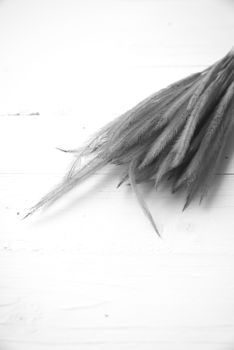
[{"x": 178, "y": 132}]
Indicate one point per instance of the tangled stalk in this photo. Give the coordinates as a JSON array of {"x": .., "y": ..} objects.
[{"x": 177, "y": 133}]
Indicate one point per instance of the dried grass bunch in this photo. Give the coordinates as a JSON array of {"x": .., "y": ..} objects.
[{"x": 177, "y": 133}]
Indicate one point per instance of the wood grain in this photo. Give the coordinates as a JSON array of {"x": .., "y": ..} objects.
[{"x": 90, "y": 273}]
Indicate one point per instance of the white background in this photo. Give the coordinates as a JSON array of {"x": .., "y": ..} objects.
[{"x": 90, "y": 272}]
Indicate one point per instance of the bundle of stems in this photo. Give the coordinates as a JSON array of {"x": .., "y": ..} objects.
[{"x": 178, "y": 133}]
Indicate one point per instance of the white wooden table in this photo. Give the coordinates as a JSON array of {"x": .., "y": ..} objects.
[{"x": 90, "y": 273}]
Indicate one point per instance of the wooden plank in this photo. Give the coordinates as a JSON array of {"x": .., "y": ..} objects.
[{"x": 89, "y": 272}]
